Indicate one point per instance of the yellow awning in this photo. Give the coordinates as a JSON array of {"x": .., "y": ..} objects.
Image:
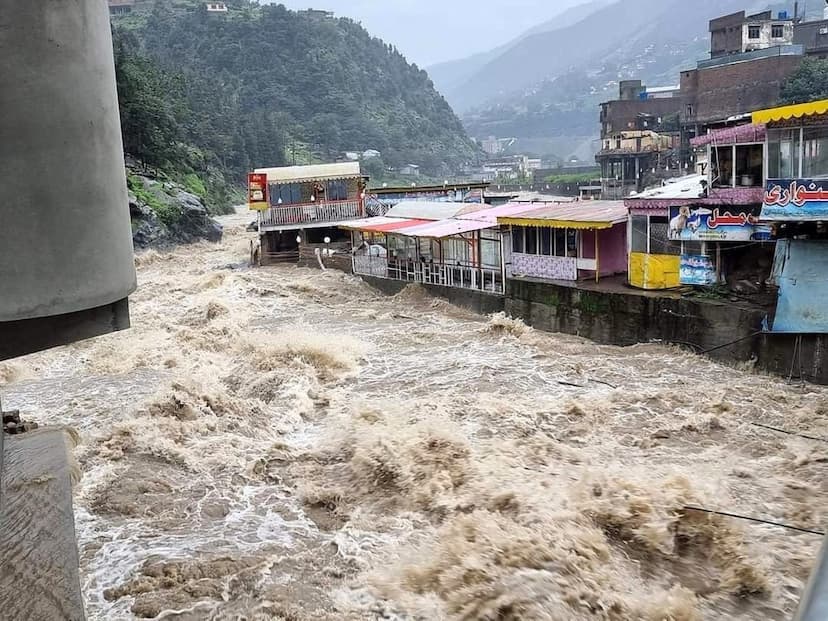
[
  {"x": 786, "y": 113},
  {"x": 555, "y": 224}
]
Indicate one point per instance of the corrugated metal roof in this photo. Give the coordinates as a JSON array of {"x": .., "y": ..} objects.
[
  {"x": 430, "y": 210},
  {"x": 381, "y": 224},
  {"x": 579, "y": 215},
  {"x": 467, "y": 222},
  {"x": 298, "y": 174},
  {"x": 732, "y": 135},
  {"x": 447, "y": 228},
  {"x": 689, "y": 186}
]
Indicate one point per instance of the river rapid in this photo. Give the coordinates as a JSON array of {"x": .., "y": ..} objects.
[{"x": 287, "y": 443}]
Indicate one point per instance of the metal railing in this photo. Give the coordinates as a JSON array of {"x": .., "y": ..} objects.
[
  {"x": 458, "y": 276},
  {"x": 310, "y": 213}
]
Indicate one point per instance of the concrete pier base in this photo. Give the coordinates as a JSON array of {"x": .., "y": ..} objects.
[{"x": 38, "y": 553}]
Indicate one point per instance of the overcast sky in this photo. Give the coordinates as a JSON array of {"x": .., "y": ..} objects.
[{"x": 431, "y": 31}]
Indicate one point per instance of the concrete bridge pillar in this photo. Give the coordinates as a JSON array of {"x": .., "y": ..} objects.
[{"x": 65, "y": 237}]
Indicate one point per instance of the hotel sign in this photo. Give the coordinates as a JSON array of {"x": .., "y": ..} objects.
[
  {"x": 798, "y": 200},
  {"x": 257, "y": 191}
]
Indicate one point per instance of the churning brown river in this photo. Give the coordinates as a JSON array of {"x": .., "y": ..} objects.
[{"x": 286, "y": 443}]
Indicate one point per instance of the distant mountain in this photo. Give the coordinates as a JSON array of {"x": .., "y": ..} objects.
[
  {"x": 448, "y": 75},
  {"x": 545, "y": 88}
]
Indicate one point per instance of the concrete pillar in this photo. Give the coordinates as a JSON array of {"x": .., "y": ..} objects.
[{"x": 65, "y": 237}]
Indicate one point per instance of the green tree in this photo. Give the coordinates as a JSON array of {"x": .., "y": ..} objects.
[
  {"x": 808, "y": 83},
  {"x": 240, "y": 85}
]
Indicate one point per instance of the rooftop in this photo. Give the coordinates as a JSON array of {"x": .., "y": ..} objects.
[
  {"x": 316, "y": 172},
  {"x": 431, "y": 210},
  {"x": 578, "y": 215}
]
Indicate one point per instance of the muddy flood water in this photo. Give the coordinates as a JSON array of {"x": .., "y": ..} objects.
[{"x": 286, "y": 443}]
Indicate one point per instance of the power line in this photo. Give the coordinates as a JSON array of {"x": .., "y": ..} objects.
[
  {"x": 790, "y": 433},
  {"x": 756, "y": 520}
]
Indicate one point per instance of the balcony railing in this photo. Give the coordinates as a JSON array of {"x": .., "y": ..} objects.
[
  {"x": 310, "y": 213},
  {"x": 456, "y": 276}
]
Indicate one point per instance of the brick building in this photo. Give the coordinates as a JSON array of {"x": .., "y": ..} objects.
[{"x": 646, "y": 138}]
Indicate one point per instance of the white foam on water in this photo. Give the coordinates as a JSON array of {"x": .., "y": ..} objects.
[{"x": 287, "y": 443}]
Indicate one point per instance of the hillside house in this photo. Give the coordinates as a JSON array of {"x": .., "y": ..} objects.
[
  {"x": 304, "y": 206},
  {"x": 216, "y": 7},
  {"x": 121, "y": 7}
]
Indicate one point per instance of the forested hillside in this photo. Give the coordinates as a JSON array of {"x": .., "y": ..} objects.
[{"x": 261, "y": 85}]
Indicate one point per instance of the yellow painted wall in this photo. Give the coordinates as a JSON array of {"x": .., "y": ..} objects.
[{"x": 654, "y": 271}]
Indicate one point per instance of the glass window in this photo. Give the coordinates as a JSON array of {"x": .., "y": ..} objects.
[
  {"x": 749, "y": 165},
  {"x": 783, "y": 153},
  {"x": 754, "y": 32},
  {"x": 659, "y": 244},
  {"x": 517, "y": 240},
  {"x": 560, "y": 242},
  {"x": 639, "y": 234},
  {"x": 723, "y": 166},
  {"x": 572, "y": 243},
  {"x": 777, "y": 31},
  {"x": 531, "y": 240},
  {"x": 815, "y": 155},
  {"x": 546, "y": 241},
  {"x": 337, "y": 190},
  {"x": 288, "y": 194}
]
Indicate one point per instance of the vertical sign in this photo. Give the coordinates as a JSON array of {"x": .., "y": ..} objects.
[{"x": 257, "y": 191}]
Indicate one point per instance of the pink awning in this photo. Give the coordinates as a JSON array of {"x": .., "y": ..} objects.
[
  {"x": 476, "y": 220},
  {"x": 382, "y": 224},
  {"x": 731, "y": 135}
]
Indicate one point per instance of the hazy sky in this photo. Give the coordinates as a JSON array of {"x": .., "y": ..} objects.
[{"x": 431, "y": 31}]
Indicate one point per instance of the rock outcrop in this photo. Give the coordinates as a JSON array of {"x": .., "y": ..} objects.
[{"x": 164, "y": 213}]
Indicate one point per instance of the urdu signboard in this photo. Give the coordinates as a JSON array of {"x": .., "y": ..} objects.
[
  {"x": 736, "y": 223},
  {"x": 798, "y": 200}
]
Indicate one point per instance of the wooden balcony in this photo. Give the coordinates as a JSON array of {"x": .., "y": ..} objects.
[{"x": 310, "y": 214}]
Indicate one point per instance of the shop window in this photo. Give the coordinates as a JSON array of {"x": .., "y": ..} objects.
[
  {"x": 518, "y": 244},
  {"x": 659, "y": 243},
  {"x": 783, "y": 153},
  {"x": 639, "y": 234},
  {"x": 560, "y": 242},
  {"x": 546, "y": 241},
  {"x": 289, "y": 194},
  {"x": 815, "y": 152},
  {"x": 531, "y": 240},
  {"x": 337, "y": 190}
]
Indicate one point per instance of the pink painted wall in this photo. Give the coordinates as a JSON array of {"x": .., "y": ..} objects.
[{"x": 612, "y": 244}]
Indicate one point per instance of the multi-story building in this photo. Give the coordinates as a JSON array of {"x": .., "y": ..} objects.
[
  {"x": 739, "y": 33},
  {"x": 640, "y": 134},
  {"x": 813, "y": 36},
  {"x": 302, "y": 206},
  {"x": 646, "y": 133}
]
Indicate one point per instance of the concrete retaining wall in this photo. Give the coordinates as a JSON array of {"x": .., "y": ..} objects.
[
  {"x": 477, "y": 301},
  {"x": 626, "y": 318}
]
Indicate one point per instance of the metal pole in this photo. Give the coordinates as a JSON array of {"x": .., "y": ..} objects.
[
  {"x": 597, "y": 259},
  {"x": 814, "y": 603}
]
